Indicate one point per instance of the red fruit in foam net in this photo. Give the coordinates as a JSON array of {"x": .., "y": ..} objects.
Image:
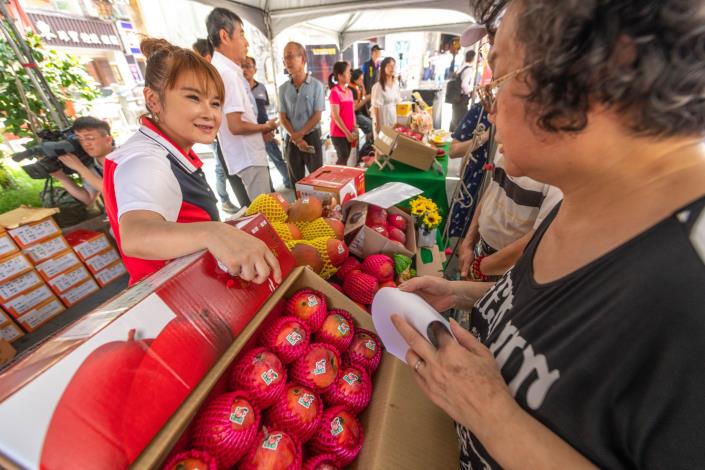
[
  {"x": 376, "y": 216},
  {"x": 287, "y": 337},
  {"x": 381, "y": 267},
  {"x": 340, "y": 434},
  {"x": 397, "y": 235},
  {"x": 364, "y": 351},
  {"x": 387, "y": 284},
  {"x": 353, "y": 389},
  {"x": 381, "y": 229},
  {"x": 337, "y": 330},
  {"x": 396, "y": 221},
  {"x": 321, "y": 462},
  {"x": 226, "y": 428},
  {"x": 261, "y": 373},
  {"x": 309, "y": 306},
  {"x": 299, "y": 413},
  {"x": 273, "y": 450},
  {"x": 349, "y": 265},
  {"x": 360, "y": 287},
  {"x": 318, "y": 368},
  {"x": 191, "y": 460}
]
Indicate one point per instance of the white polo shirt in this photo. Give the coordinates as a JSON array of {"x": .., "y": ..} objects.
[{"x": 240, "y": 151}]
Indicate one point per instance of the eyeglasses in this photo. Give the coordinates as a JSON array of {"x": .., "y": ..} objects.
[{"x": 488, "y": 93}]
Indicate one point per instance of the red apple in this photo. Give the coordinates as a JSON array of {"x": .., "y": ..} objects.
[
  {"x": 287, "y": 337},
  {"x": 275, "y": 450},
  {"x": 192, "y": 460},
  {"x": 381, "y": 229},
  {"x": 365, "y": 350},
  {"x": 337, "y": 251},
  {"x": 376, "y": 216},
  {"x": 340, "y": 434},
  {"x": 309, "y": 306},
  {"x": 298, "y": 414},
  {"x": 337, "y": 330},
  {"x": 353, "y": 390},
  {"x": 396, "y": 221},
  {"x": 261, "y": 373},
  {"x": 321, "y": 462},
  {"x": 398, "y": 235},
  {"x": 318, "y": 368},
  {"x": 388, "y": 284}
]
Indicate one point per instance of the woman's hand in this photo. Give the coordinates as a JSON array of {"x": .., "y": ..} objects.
[
  {"x": 243, "y": 255},
  {"x": 461, "y": 377},
  {"x": 466, "y": 256},
  {"x": 438, "y": 292}
]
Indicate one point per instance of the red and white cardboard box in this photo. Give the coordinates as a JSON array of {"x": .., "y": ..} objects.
[
  {"x": 76, "y": 294},
  {"x": 65, "y": 281},
  {"x": 13, "y": 266},
  {"x": 109, "y": 274},
  {"x": 19, "y": 285},
  {"x": 7, "y": 246},
  {"x": 10, "y": 332},
  {"x": 40, "y": 314},
  {"x": 23, "y": 303},
  {"x": 86, "y": 243},
  {"x": 102, "y": 260},
  {"x": 187, "y": 294},
  {"x": 329, "y": 182},
  {"x": 60, "y": 263},
  {"x": 41, "y": 251}
]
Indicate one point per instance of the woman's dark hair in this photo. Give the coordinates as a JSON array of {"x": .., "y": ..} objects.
[
  {"x": 220, "y": 18},
  {"x": 383, "y": 71},
  {"x": 203, "y": 47},
  {"x": 355, "y": 74},
  {"x": 339, "y": 68},
  {"x": 642, "y": 58}
]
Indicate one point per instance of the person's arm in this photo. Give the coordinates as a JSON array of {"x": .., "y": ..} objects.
[
  {"x": 146, "y": 235},
  {"x": 238, "y": 126},
  {"x": 335, "y": 115},
  {"x": 499, "y": 262},
  {"x": 81, "y": 194},
  {"x": 87, "y": 176},
  {"x": 376, "y": 104},
  {"x": 460, "y": 148},
  {"x": 443, "y": 294}
]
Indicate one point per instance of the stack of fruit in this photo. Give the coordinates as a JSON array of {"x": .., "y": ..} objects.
[
  {"x": 392, "y": 226},
  {"x": 295, "y": 399},
  {"x": 314, "y": 241}
]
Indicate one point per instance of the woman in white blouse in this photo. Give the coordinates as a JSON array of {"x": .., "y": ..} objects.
[{"x": 385, "y": 96}]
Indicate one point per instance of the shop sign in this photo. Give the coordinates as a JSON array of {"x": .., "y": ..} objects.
[
  {"x": 130, "y": 38},
  {"x": 59, "y": 30}
]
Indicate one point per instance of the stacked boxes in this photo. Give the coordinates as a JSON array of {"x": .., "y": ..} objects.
[{"x": 98, "y": 254}]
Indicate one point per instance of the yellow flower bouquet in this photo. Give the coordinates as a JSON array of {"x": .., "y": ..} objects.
[{"x": 427, "y": 218}]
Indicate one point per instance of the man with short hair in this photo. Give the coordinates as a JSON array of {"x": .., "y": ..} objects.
[
  {"x": 465, "y": 76},
  {"x": 240, "y": 135},
  {"x": 271, "y": 144},
  {"x": 370, "y": 69},
  {"x": 302, "y": 101},
  {"x": 94, "y": 137}
]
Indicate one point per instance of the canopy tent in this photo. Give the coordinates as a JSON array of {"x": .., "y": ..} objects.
[{"x": 351, "y": 21}]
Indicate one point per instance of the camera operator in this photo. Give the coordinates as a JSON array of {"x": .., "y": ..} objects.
[{"x": 95, "y": 139}]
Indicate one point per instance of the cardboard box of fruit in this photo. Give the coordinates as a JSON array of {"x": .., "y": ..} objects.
[
  {"x": 99, "y": 391},
  {"x": 400, "y": 427}
]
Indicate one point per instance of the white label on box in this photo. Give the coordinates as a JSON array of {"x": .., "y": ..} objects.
[
  {"x": 46, "y": 249},
  {"x": 77, "y": 293},
  {"x": 100, "y": 261},
  {"x": 6, "y": 244},
  {"x": 25, "y": 302},
  {"x": 36, "y": 317},
  {"x": 70, "y": 279},
  {"x": 92, "y": 247},
  {"x": 12, "y": 266},
  {"x": 54, "y": 266},
  {"x": 27, "y": 234},
  {"x": 10, "y": 332},
  {"x": 18, "y": 285},
  {"x": 110, "y": 274}
]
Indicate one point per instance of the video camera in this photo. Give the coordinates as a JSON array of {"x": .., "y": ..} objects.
[{"x": 53, "y": 144}]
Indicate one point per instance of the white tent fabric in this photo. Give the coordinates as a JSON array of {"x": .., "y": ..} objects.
[{"x": 353, "y": 20}]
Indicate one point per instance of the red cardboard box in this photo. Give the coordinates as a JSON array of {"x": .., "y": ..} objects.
[
  {"x": 109, "y": 274},
  {"x": 68, "y": 280},
  {"x": 7, "y": 246},
  {"x": 102, "y": 260},
  {"x": 86, "y": 243},
  {"x": 40, "y": 314},
  {"x": 19, "y": 285},
  {"x": 60, "y": 263},
  {"x": 329, "y": 182},
  {"x": 23, "y": 303},
  {"x": 13, "y": 266},
  {"x": 10, "y": 332},
  {"x": 190, "y": 298},
  {"x": 38, "y": 252}
]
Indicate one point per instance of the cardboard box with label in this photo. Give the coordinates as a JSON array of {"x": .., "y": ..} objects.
[
  {"x": 40, "y": 251},
  {"x": 102, "y": 260},
  {"x": 111, "y": 273},
  {"x": 7, "y": 246},
  {"x": 39, "y": 315},
  {"x": 23, "y": 303},
  {"x": 87, "y": 243},
  {"x": 19, "y": 285},
  {"x": 405, "y": 149},
  {"x": 68, "y": 280},
  {"x": 64, "y": 261},
  {"x": 362, "y": 240},
  {"x": 10, "y": 332},
  {"x": 28, "y": 225},
  {"x": 329, "y": 182},
  {"x": 13, "y": 266},
  {"x": 75, "y": 294}
]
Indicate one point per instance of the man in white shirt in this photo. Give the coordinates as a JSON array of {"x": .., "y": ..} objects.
[
  {"x": 240, "y": 136},
  {"x": 465, "y": 75}
]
